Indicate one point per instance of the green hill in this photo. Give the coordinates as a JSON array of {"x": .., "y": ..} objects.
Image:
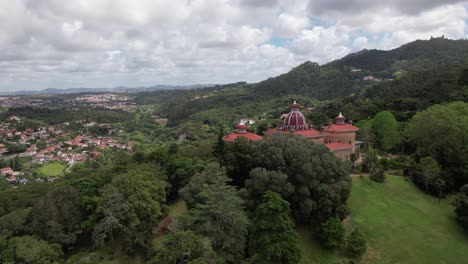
[
  {"x": 405, "y": 80},
  {"x": 401, "y": 223}
]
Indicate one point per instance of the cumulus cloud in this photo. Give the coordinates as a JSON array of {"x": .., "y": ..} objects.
[{"x": 105, "y": 43}]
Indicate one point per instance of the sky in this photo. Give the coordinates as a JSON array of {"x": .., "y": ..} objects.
[{"x": 108, "y": 43}]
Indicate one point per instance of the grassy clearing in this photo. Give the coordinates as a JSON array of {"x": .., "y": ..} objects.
[
  {"x": 51, "y": 169},
  {"x": 402, "y": 224}
]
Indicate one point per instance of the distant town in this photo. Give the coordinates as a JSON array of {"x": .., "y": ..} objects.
[{"x": 23, "y": 148}]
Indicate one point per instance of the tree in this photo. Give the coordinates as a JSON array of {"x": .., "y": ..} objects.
[
  {"x": 144, "y": 192},
  {"x": 461, "y": 209},
  {"x": 114, "y": 209},
  {"x": 56, "y": 217},
  {"x": 184, "y": 247},
  {"x": 7, "y": 251},
  {"x": 213, "y": 175},
  {"x": 178, "y": 171},
  {"x": 321, "y": 184},
  {"x": 32, "y": 250},
  {"x": 441, "y": 131},
  {"x": 386, "y": 129},
  {"x": 353, "y": 157},
  {"x": 377, "y": 174},
  {"x": 429, "y": 169},
  {"x": 14, "y": 223},
  {"x": 261, "y": 181},
  {"x": 273, "y": 238},
  {"x": 217, "y": 213},
  {"x": 332, "y": 233},
  {"x": 439, "y": 185},
  {"x": 318, "y": 119},
  {"x": 356, "y": 243},
  {"x": 220, "y": 150}
]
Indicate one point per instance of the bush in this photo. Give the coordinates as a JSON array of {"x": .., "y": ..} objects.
[
  {"x": 332, "y": 233},
  {"x": 356, "y": 243},
  {"x": 377, "y": 175}
]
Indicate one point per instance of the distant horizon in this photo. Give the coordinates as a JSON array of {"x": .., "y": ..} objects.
[{"x": 47, "y": 44}]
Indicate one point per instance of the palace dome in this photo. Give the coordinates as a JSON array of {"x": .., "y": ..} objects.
[{"x": 295, "y": 119}]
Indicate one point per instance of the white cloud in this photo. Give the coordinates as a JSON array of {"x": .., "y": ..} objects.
[{"x": 105, "y": 43}]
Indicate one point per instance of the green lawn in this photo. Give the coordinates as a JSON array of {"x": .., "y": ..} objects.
[
  {"x": 402, "y": 224},
  {"x": 51, "y": 169}
]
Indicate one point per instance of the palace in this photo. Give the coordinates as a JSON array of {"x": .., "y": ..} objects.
[{"x": 339, "y": 137}]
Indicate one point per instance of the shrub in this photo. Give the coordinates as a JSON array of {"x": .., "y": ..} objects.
[
  {"x": 356, "y": 243},
  {"x": 332, "y": 233}
]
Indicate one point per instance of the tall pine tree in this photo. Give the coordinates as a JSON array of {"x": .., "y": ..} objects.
[{"x": 274, "y": 239}]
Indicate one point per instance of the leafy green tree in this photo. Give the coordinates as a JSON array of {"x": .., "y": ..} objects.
[
  {"x": 184, "y": 247},
  {"x": 56, "y": 217},
  {"x": 321, "y": 183},
  {"x": 237, "y": 160},
  {"x": 261, "y": 181},
  {"x": 332, "y": 233},
  {"x": 219, "y": 150},
  {"x": 439, "y": 185},
  {"x": 356, "y": 243},
  {"x": 461, "y": 209},
  {"x": 217, "y": 214},
  {"x": 178, "y": 171},
  {"x": 7, "y": 251},
  {"x": 273, "y": 238},
  {"x": 430, "y": 170},
  {"x": 145, "y": 194},
  {"x": 441, "y": 131},
  {"x": 386, "y": 129},
  {"x": 115, "y": 211},
  {"x": 213, "y": 175},
  {"x": 31, "y": 250},
  {"x": 318, "y": 119},
  {"x": 14, "y": 223}
]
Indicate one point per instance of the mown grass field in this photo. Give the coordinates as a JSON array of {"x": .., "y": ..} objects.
[
  {"x": 51, "y": 169},
  {"x": 402, "y": 224}
]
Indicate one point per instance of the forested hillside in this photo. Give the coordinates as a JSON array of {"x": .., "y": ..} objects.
[{"x": 404, "y": 80}]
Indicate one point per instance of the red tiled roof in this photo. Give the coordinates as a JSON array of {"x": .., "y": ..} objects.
[
  {"x": 343, "y": 127},
  {"x": 233, "y": 136},
  {"x": 338, "y": 146},
  {"x": 309, "y": 133}
]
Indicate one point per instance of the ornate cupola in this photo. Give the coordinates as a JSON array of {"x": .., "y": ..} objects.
[
  {"x": 340, "y": 119},
  {"x": 241, "y": 127},
  {"x": 295, "y": 119}
]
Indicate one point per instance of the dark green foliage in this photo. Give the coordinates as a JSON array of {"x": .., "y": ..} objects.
[
  {"x": 211, "y": 177},
  {"x": 61, "y": 115},
  {"x": 7, "y": 251},
  {"x": 321, "y": 184},
  {"x": 179, "y": 170},
  {"x": 377, "y": 174},
  {"x": 56, "y": 217},
  {"x": 273, "y": 238},
  {"x": 386, "y": 128},
  {"x": 318, "y": 120},
  {"x": 237, "y": 160},
  {"x": 31, "y": 250},
  {"x": 14, "y": 223},
  {"x": 185, "y": 247},
  {"x": 144, "y": 192},
  {"x": 441, "y": 132},
  {"x": 428, "y": 172},
  {"x": 461, "y": 209},
  {"x": 331, "y": 233},
  {"x": 217, "y": 212},
  {"x": 261, "y": 181},
  {"x": 23, "y": 197},
  {"x": 115, "y": 213},
  {"x": 16, "y": 148},
  {"x": 356, "y": 243}
]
